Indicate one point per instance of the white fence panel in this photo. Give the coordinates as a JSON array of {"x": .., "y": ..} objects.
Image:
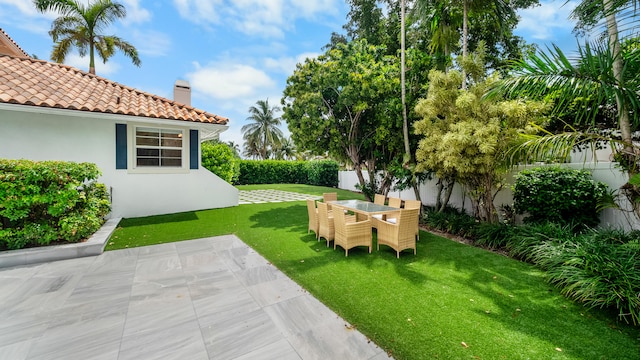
[{"x": 605, "y": 172}]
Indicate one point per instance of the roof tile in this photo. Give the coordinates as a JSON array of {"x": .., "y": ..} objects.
[{"x": 41, "y": 83}]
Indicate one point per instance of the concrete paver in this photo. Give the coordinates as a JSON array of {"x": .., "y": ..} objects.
[{"x": 212, "y": 298}]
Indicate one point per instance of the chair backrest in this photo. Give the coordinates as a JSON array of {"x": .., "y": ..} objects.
[
  {"x": 311, "y": 210},
  {"x": 395, "y": 202},
  {"x": 407, "y": 223},
  {"x": 379, "y": 199},
  {"x": 329, "y": 197},
  {"x": 339, "y": 220},
  {"x": 323, "y": 215},
  {"x": 412, "y": 204}
]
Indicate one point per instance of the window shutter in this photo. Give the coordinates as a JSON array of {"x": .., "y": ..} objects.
[
  {"x": 121, "y": 146},
  {"x": 193, "y": 149}
]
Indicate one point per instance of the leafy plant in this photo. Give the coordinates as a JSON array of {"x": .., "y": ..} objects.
[
  {"x": 557, "y": 194},
  {"x": 42, "y": 202},
  {"x": 220, "y": 159},
  {"x": 453, "y": 221},
  {"x": 493, "y": 235}
]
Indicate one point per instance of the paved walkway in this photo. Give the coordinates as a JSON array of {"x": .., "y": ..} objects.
[
  {"x": 212, "y": 298},
  {"x": 264, "y": 196}
]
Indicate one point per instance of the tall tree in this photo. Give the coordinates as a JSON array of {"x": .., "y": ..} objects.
[
  {"x": 79, "y": 26},
  {"x": 345, "y": 103},
  {"x": 466, "y": 135},
  {"x": 263, "y": 131}
]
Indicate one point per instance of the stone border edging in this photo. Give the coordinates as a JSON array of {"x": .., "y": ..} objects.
[{"x": 92, "y": 247}]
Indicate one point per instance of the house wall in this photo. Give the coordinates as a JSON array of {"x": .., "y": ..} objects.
[
  {"x": 63, "y": 135},
  {"x": 603, "y": 171}
]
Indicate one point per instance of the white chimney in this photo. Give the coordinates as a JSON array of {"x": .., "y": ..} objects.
[{"x": 182, "y": 92}]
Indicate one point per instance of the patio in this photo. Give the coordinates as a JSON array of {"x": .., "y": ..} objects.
[{"x": 211, "y": 298}]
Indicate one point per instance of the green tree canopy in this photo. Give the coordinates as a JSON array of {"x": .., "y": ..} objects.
[
  {"x": 345, "y": 103},
  {"x": 79, "y": 26}
]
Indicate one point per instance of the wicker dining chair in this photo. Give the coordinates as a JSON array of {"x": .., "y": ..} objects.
[
  {"x": 350, "y": 234},
  {"x": 379, "y": 199},
  {"x": 326, "y": 197},
  {"x": 326, "y": 227},
  {"x": 393, "y": 202},
  {"x": 313, "y": 216},
  {"x": 402, "y": 234}
]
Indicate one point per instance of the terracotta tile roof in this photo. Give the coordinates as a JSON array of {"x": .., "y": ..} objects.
[
  {"x": 10, "y": 47},
  {"x": 27, "y": 81}
]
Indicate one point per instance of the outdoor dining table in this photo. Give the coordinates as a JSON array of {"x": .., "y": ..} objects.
[{"x": 364, "y": 207}]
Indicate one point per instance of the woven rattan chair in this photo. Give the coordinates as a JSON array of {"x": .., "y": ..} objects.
[
  {"x": 313, "y": 216},
  {"x": 326, "y": 227},
  {"x": 393, "y": 202},
  {"x": 379, "y": 199},
  {"x": 350, "y": 234},
  {"x": 402, "y": 235}
]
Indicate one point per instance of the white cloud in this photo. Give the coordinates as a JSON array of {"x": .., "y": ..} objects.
[
  {"x": 135, "y": 13},
  {"x": 199, "y": 11},
  {"x": 259, "y": 18},
  {"x": 542, "y": 22},
  {"x": 103, "y": 70},
  {"x": 229, "y": 81},
  {"x": 152, "y": 43},
  {"x": 287, "y": 65}
]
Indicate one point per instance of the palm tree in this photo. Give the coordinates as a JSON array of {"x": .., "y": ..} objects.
[
  {"x": 263, "y": 133},
  {"x": 603, "y": 76},
  {"x": 79, "y": 26},
  {"x": 286, "y": 150},
  {"x": 234, "y": 147}
]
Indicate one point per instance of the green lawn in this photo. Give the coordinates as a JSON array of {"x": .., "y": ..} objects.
[{"x": 451, "y": 301}]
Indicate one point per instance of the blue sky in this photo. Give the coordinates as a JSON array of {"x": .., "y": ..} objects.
[{"x": 233, "y": 53}]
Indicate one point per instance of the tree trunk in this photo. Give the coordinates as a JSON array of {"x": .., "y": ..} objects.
[
  {"x": 465, "y": 35},
  {"x": 403, "y": 95}
]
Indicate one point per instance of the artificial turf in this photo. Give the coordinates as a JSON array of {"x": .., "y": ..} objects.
[{"x": 450, "y": 301}]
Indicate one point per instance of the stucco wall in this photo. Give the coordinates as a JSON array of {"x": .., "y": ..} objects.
[{"x": 62, "y": 135}]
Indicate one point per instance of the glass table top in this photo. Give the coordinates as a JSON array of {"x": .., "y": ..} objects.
[{"x": 364, "y": 206}]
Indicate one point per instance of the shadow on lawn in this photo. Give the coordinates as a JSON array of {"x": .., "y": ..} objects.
[
  {"x": 516, "y": 295},
  {"x": 159, "y": 219},
  {"x": 294, "y": 218}
]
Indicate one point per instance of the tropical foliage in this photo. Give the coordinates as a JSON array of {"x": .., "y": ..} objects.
[
  {"x": 49, "y": 201},
  {"x": 466, "y": 135},
  {"x": 79, "y": 26},
  {"x": 220, "y": 159},
  {"x": 560, "y": 195}
]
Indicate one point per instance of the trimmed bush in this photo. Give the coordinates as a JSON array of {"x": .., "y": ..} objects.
[
  {"x": 220, "y": 160},
  {"x": 322, "y": 173},
  {"x": 557, "y": 194},
  {"x": 43, "y": 202}
]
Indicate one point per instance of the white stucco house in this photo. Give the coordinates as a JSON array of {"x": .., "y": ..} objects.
[{"x": 147, "y": 147}]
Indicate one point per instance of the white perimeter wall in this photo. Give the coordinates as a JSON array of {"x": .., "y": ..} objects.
[
  {"x": 601, "y": 171},
  {"x": 61, "y": 135}
]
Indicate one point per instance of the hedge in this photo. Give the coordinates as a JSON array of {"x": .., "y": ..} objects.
[
  {"x": 321, "y": 172},
  {"x": 49, "y": 201}
]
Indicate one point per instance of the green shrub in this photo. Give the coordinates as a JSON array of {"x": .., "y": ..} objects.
[
  {"x": 221, "y": 160},
  {"x": 272, "y": 172},
  {"x": 559, "y": 195},
  {"x": 323, "y": 173},
  {"x": 452, "y": 221},
  {"x": 42, "y": 202},
  {"x": 494, "y": 236},
  {"x": 525, "y": 239},
  {"x": 599, "y": 269}
]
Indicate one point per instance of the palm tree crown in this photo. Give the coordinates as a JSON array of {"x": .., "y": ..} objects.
[
  {"x": 79, "y": 26},
  {"x": 263, "y": 133}
]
